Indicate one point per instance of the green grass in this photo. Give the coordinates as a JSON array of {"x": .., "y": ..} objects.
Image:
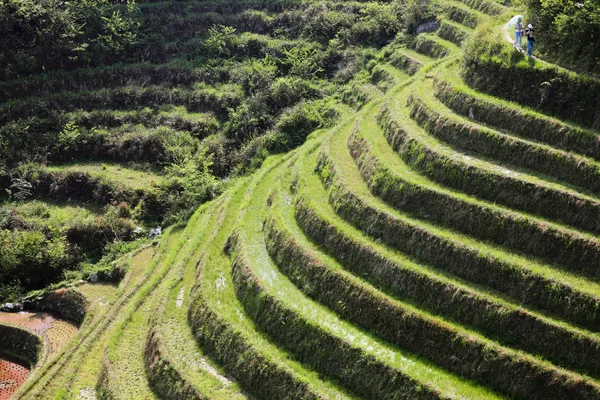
[
  {"x": 130, "y": 178},
  {"x": 278, "y": 286},
  {"x": 516, "y": 119},
  {"x": 55, "y": 215},
  {"x": 433, "y": 143},
  {"x": 352, "y": 178},
  {"x": 461, "y": 13},
  {"x": 197, "y": 298},
  {"x": 215, "y": 290},
  {"x": 547, "y": 162},
  {"x": 78, "y": 366},
  {"x": 126, "y": 372},
  {"x": 397, "y": 275},
  {"x": 473, "y": 175},
  {"x": 181, "y": 347}
]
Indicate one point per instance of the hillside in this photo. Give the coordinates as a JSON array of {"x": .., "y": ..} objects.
[{"x": 421, "y": 222}]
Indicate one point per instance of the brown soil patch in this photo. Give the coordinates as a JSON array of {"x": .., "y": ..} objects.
[
  {"x": 56, "y": 333},
  {"x": 12, "y": 376},
  {"x": 43, "y": 324}
]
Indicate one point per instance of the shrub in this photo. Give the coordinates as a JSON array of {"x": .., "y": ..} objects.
[
  {"x": 220, "y": 40},
  {"x": 255, "y": 75},
  {"x": 303, "y": 62},
  {"x": 249, "y": 120},
  {"x": 30, "y": 260},
  {"x": 327, "y": 24},
  {"x": 492, "y": 66},
  {"x": 39, "y": 35},
  {"x": 298, "y": 122},
  {"x": 187, "y": 185},
  {"x": 378, "y": 23},
  {"x": 159, "y": 146},
  {"x": 222, "y": 153},
  {"x": 288, "y": 90},
  {"x": 416, "y": 12},
  {"x": 568, "y": 31}
]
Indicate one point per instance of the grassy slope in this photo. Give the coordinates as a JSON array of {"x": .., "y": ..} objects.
[
  {"x": 128, "y": 177},
  {"x": 191, "y": 270}
]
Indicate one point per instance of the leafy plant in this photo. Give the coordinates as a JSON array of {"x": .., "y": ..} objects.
[
  {"x": 302, "y": 62},
  {"x": 20, "y": 189},
  {"x": 568, "y": 31},
  {"x": 417, "y": 12},
  {"x": 220, "y": 40},
  {"x": 39, "y": 35}
]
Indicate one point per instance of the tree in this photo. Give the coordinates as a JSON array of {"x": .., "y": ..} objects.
[{"x": 41, "y": 35}]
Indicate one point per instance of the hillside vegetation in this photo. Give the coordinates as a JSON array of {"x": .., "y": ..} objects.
[
  {"x": 355, "y": 210},
  {"x": 146, "y": 110},
  {"x": 569, "y": 31}
]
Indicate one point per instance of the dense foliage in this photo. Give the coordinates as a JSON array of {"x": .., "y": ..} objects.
[
  {"x": 40, "y": 243},
  {"x": 194, "y": 93},
  {"x": 42, "y": 35},
  {"x": 568, "y": 31}
]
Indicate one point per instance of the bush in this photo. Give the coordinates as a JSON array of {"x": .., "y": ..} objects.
[
  {"x": 249, "y": 120},
  {"x": 40, "y": 35},
  {"x": 187, "y": 185},
  {"x": 220, "y": 40},
  {"x": 378, "y": 24},
  {"x": 298, "y": 122},
  {"x": 30, "y": 260},
  {"x": 416, "y": 12},
  {"x": 491, "y": 65},
  {"x": 255, "y": 75},
  {"x": 568, "y": 31},
  {"x": 288, "y": 90},
  {"x": 92, "y": 236},
  {"x": 305, "y": 62}
]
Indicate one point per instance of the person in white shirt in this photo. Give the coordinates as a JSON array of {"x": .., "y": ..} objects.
[{"x": 519, "y": 34}]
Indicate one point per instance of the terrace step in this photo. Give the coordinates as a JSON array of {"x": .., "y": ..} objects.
[
  {"x": 176, "y": 117},
  {"x": 385, "y": 76},
  {"x": 323, "y": 280},
  {"x": 432, "y": 289},
  {"x": 407, "y": 60},
  {"x": 489, "y": 7},
  {"x": 453, "y": 32},
  {"x": 124, "y": 367},
  {"x": 513, "y": 118},
  {"x": 200, "y": 99},
  {"x": 389, "y": 178},
  {"x": 182, "y": 6},
  {"x": 433, "y": 46},
  {"x": 175, "y": 73},
  {"x": 175, "y": 365},
  {"x": 532, "y": 83},
  {"x": 80, "y": 363},
  {"x": 475, "y": 261},
  {"x": 223, "y": 330},
  {"x": 482, "y": 179},
  {"x": 319, "y": 338},
  {"x": 460, "y": 13},
  {"x": 461, "y": 133}
]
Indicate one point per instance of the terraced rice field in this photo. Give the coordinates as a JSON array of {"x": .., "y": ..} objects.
[
  {"x": 12, "y": 375},
  {"x": 56, "y": 334},
  {"x": 423, "y": 248}
]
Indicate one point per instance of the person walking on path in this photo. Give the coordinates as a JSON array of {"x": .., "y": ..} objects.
[
  {"x": 530, "y": 38},
  {"x": 519, "y": 34}
]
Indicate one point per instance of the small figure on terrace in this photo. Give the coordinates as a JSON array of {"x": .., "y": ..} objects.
[{"x": 529, "y": 32}]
